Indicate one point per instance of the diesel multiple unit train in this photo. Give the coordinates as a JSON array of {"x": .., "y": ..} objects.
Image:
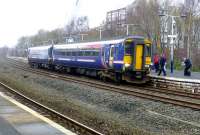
[{"x": 125, "y": 59}]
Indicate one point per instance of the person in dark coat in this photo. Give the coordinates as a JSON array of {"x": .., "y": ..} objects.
[
  {"x": 156, "y": 62},
  {"x": 188, "y": 66},
  {"x": 162, "y": 65}
]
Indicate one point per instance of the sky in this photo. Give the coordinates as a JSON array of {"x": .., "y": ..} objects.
[{"x": 25, "y": 17}]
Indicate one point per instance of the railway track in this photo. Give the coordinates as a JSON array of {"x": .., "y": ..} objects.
[
  {"x": 154, "y": 87},
  {"x": 184, "y": 98},
  {"x": 172, "y": 84},
  {"x": 59, "y": 118}
]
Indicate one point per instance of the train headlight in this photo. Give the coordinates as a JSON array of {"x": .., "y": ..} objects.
[
  {"x": 127, "y": 65},
  {"x": 147, "y": 66}
]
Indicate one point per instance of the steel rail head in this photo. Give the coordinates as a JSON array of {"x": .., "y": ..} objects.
[{"x": 88, "y": 129}]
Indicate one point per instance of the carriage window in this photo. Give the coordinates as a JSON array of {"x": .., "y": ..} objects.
[
  {"x": 95, "y": 53},
  {"x": 61, "y": 53},
  {"x": 68, "y": 53},
  {"x": 87, "y": 53},
  {"x": 112, "y": 52},
  {"x": 49, "y": 52},
  {"x": 73, "y": 53},
  {"x": 102, "y": 52},
  {"x": 116, "y": 51},
  {"x": 80, "y": 53}
]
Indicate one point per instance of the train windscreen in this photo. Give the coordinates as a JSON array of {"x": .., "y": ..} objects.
[{"x": 128, "y": 47}]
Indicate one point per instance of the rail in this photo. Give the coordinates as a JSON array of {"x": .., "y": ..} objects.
[
  {"x": 158, "y": 95},
  {"x": 70, "y": 123}
]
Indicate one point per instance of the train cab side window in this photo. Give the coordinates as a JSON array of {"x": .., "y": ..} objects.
[
  {"x": 128, "y": 48},
  {"x": 148, "y": 50}
]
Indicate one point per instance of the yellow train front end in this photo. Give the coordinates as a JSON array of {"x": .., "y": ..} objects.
[{"x": 137, "y": 60}]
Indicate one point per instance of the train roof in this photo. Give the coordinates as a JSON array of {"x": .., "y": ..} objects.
[
  {"x": 40, "y": 47},
  {"x": 96, "y": 44}
]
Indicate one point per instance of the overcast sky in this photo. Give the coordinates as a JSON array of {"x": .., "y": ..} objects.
[{"x": 25, "y": 17}]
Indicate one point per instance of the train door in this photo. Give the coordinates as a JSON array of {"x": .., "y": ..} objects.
[
  {"x": 139, "y": 57},
  {"x": 106, "y": 55},
  {"x": 111, "y": 57}
]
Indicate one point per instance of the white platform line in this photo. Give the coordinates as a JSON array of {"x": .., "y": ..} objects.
[
  {"x": 50, "y": 122},
  {"x": 189, "y": 80}
]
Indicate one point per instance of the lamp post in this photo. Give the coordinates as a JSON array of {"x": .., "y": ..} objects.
[
  {"x": 172, "y": 44},
  {"x": 100, "y": 29},
  {"x": 189, "y": 31},
  {"x": 82, "y": 36},
  {"x": 127, "y": 27},
  {"x": 172, "y": 37}
]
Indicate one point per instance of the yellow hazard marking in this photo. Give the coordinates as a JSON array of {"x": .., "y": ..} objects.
[
  {"x": 148, "y": 60},
  {"x": 127, "y": 59},
  {"x": 50, "y": 122}
]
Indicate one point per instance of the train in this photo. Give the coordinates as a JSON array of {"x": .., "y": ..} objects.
[{"x": 126, "y": 59}]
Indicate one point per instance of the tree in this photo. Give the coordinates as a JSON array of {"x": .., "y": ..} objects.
[
  {"x": 145, "y": 14},
  {"x": 3, "y": 51},
  {"x": 77, "y": 26}
]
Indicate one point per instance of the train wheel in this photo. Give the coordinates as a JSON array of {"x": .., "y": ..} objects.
[
  {"x": 118, "y": 78},
  {"x": 102, "y": 78},
  {"x": 35, "y": 66}
]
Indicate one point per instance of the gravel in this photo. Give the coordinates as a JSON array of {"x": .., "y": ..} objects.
[{"x": 109, "y": 112}]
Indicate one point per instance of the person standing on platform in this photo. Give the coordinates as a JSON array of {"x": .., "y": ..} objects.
[
  {"x": 156, "y": 62},
  {"x": 162, "y": 65},
  {"x": 188, "y": 65}
]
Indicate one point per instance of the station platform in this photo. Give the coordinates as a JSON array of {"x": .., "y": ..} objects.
[
  {"x": 179, "y": 75},
  {"x": 17, "y": 119}
]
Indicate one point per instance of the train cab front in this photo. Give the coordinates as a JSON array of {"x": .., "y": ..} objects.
[{"x": 137, "y": 60}]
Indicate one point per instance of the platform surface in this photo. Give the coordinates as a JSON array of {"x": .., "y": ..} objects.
[
  {"x": 180, "y": 74},
  {"x": 17, "y": 119}
]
